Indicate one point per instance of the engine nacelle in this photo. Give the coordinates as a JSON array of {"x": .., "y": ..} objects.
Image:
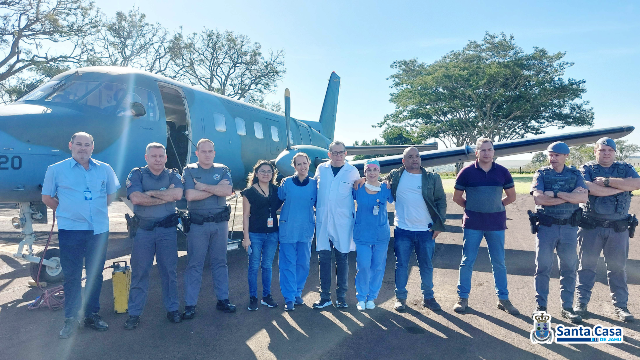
[{"x": 283, "y": 161}]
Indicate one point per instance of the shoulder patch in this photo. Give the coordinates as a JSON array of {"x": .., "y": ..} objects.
[{"x": 128, "y": 182}]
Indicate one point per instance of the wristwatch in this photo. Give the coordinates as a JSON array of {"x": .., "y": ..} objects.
[{"x": 606, "y": 182}]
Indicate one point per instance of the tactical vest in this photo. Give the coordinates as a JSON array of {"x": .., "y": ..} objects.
[
  {"x": 560, "y": 182},
  {"x": 151, "y": 182},
  {"x": 612, "y": 207}
]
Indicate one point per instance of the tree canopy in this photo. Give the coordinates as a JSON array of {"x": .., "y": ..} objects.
[
  {"x": 490, "y": 88},
  {"x": 220, "y": 61}
]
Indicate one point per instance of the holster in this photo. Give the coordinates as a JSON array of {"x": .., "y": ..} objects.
[
  {"x": 576, "y": 217},
  {"x": 133, "y": 223},
  {"x": 170, "y": 221},
  {"x": 533, "y": 220},
  {"x": 632, "y": 220},
  {"x": 185, "y": 218}
]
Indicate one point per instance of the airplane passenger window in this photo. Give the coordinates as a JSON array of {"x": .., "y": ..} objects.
[
  {"x": 291, "y": 136},
  {"x": 274, "y": 134},
  {"x": 257, "y": 127},
  {"x": 219, "y": 122},
  {"x": 242, "y": 130}
]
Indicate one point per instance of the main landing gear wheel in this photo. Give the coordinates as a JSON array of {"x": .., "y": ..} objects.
[{"x": 48, "y": 274}]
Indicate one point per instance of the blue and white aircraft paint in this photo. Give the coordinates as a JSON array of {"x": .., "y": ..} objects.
[{"x": 106, "y": 101}]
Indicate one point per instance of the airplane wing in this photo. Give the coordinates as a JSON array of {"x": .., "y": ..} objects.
[
  {"x": 387, "y": 149},
  {"x": 513, "y": 147}
]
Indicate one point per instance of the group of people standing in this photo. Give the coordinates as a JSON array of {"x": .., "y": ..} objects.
[{"x": 324, "y": 205}]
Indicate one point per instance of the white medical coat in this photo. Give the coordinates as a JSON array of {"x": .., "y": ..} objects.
[{"x": 335, "y": 209}]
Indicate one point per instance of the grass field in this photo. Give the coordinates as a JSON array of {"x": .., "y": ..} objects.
[{"x": 522, "y": 182}]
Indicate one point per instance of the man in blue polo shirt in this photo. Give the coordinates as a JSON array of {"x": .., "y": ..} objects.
[
  {"x": 484, "y": 216},
  {"x": 84, "y": 188}
]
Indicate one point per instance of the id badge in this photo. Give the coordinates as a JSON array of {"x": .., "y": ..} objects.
[
  {"x": 270, "y": 222},
  {"x": 87, "y": 195},
  {"x": 376, "y": 210}
]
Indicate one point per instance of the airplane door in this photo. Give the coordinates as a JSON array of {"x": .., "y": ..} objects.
[{"x": 178, "y": 126}]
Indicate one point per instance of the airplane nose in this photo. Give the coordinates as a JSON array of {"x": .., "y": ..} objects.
[
  {"x": 51, "y": 125},
  {"x": 22, "y": 166}
]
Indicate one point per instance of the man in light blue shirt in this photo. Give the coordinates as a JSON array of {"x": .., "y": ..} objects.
[{"x": 79, "y": 189}]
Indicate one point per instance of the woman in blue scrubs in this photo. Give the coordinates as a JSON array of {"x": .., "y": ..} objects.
[
  {"x": 297, "y": 225},
  {"x": 371, "y": 234}
]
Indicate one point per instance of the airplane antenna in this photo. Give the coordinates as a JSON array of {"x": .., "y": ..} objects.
[{"x": 287, "y": 115}]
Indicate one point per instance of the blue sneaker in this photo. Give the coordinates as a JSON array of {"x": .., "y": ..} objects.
[
  {"x": 322, "y": 303},
  {"x": 299, "y": 301},
  {"x": 288, "y": 306}
]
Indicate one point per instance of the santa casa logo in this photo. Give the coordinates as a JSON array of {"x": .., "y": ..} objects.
[
  {"x": 582, "y": 334},
  {"x": 542, "y": 333}
]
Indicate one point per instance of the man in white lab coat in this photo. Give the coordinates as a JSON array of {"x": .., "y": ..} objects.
[{"x": 334, "y": 223}]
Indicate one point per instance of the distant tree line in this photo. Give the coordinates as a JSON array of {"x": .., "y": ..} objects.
[
  {"x": 584, "y": 153},
  {"x": 42, "y": 38}
]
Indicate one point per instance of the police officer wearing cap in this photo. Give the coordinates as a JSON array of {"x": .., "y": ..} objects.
[
  {"x": 605, "y": 226},
  {"x": 557, "y": 190},
  {"x": 154, "y": 190}
]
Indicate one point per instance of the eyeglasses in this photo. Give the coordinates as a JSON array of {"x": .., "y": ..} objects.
[
  {"x": 338, "y": 153},
  {"x": 265, "y": 172}
]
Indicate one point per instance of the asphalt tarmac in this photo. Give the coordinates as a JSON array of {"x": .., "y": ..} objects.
[{"x": 484, "y": 332}]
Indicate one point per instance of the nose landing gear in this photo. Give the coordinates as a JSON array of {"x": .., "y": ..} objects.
[{"x": 51, "y": 269}]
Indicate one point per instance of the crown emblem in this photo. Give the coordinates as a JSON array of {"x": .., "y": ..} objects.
[{"x": 542, "y": 318}]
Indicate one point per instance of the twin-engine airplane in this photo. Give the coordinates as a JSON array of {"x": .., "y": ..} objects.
[{"x": 125, "y": 109}]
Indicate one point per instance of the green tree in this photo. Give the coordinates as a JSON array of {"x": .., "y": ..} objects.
[
  {"x": 624, "y": 149},
  {"x": 228, "y": 64},
  {"x": 398, "y": 135},
  {"x": 32, "y": 32},
  {"x": 128, "y": 39},
  {"x": 539, "y": 159},
  {"x": 581, "y": 155},
  {"x": 490, "y": 88}
]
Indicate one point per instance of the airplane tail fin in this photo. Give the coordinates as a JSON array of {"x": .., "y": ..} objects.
[{"x": 330, "y": 107}]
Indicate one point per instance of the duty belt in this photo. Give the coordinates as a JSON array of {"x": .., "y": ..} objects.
[
  {"x": 591, "y": 223},
  {"x": 167, "y": 222},
  {"x": 573, "y": 220},
  {"x": 221, "y": 216}
]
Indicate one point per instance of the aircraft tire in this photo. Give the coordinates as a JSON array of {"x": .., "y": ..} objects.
[{"x": 48, "y": 274}]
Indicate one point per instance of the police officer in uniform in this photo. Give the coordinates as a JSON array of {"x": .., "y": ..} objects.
[
  {"x": 154, "y": 190},
  {"x": 605, "y": 226},
  {"x": 206, "y": 187},
  {"x": 557, "y": 190}
]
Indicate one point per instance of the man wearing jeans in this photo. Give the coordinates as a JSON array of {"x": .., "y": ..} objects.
[
  {"x": 335, "y": 212},
  {"x": 84, "y": 188},
  {"x": 483, "y": 183},
  {"x": 421, "y": 209}
]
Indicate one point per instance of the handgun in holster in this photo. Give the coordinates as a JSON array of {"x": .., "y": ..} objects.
[
  {"x": 185, "y": 219},
  {"x": 576, "y": 217},
  {"x": 133, "y": 222},
  {"x": 534, "y": 221},
  {"x": 633, "y": 222}
]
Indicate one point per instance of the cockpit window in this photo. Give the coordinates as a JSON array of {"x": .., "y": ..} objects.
[
  {"x": 108, "y": 97},
  {"x": 73, "y": 92},
  {"x": 40, "y": 91}
]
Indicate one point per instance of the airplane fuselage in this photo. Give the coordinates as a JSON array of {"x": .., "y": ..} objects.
[{"x": 35, "y": 132}]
